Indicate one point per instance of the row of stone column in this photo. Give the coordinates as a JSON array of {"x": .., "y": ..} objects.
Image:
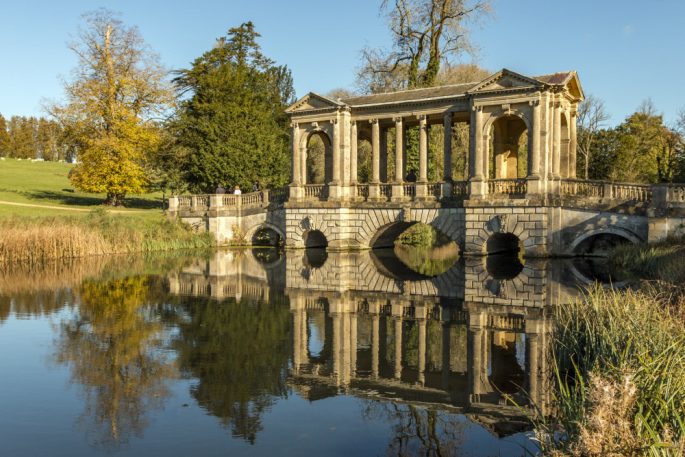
[
  {"x": 377, "y": 144},
  {"x": 344, "y": 352}
]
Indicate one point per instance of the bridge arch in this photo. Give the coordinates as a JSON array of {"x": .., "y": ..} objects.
[
  {"x": 595, "y": 241},
  {"x": 253, "y": 233}
]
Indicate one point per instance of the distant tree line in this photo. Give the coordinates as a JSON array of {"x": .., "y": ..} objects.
[{"x": 33, "y": 138}]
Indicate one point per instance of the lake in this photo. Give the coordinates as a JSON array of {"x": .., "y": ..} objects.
[{"x": 260, "y": 352}]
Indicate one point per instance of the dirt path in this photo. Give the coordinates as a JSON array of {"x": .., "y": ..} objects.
[{"x": 67, "y": 208}]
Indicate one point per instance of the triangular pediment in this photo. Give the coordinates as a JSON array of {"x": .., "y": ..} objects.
[
  {"x": 505, "y": 80},
  {"x": 313, "y": 101},
  {"x": 574, "y": 88}
]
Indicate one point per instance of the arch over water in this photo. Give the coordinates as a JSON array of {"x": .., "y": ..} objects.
[
  {"x": 600, "y": 242},
  {"x": 314, "y": 239},
  {"x": 503, "y": 243},
  {"x": 385, "y": 236}
]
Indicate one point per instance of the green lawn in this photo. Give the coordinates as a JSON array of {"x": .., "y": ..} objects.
[{"x": 47, "y": 183}]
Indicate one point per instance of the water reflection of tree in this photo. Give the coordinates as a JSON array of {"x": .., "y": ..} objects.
[
  {"x": 239, "y": 353},
  {"x": 417, "y": 431},
  {"x": 113, "y": 347}
]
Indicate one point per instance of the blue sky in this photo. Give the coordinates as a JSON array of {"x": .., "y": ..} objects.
[{"x": 624, "y": 51}]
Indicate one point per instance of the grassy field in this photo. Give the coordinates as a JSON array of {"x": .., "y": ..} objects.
[
  {"x": 43, "y": 218},
  {"x": 47, "y": 184}
]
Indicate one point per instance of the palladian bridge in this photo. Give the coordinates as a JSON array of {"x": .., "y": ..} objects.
[{"x": 519, "y": 188}]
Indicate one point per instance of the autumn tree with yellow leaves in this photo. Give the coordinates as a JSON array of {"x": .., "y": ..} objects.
[{"x": 117, "y": 93}]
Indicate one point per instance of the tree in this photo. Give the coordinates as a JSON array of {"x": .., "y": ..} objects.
[
  {"x": 4, "y": 138},
  {"x": 591, "y": 118},
  {"x": 117, "y": 91},
  {"x": 233, "y": 126},
  {"x": 425, "y": 33}
]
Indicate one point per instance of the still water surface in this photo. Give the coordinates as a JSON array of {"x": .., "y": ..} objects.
[{"x": 262, "y": 353}]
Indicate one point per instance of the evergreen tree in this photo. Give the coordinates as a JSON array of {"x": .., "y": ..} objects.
[
  {"x": 4, "y": 138},
  {"x": 233, "y": 129}
]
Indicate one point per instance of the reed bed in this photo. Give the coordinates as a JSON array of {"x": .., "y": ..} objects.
[
  {"x": 34, "y": 241},
  {"x": 663, "y": 261},
  {"x": 619, "y": 364}
]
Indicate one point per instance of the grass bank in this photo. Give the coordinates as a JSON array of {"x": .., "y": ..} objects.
[
  {"x": 619, "y": 362},
  {"x": 33, "y": 240}
]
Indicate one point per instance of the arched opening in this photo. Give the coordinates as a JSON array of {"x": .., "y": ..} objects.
[
  {"x": 503, "y": 243},
  {"x": 314, "y": 239},
  {"x": 266, "y": 236},
  {"x": 319, "y": 159},
  {"x": 565, "y": 162},
  {"x": 600, "y": 244},
  {"x": 508, "y": 155}
]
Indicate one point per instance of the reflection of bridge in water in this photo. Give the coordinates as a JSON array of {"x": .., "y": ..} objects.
[{"x": 465, "y": 339}]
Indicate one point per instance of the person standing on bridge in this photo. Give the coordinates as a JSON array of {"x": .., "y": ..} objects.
[
  {"x": 236, "y": 190},
  {"x": 220, "y": 189},
  {"x": 255, "y": 187}
]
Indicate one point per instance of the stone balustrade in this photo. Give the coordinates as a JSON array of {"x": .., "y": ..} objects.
[
  {"x": 204, "y": 202},
  {"x": 516, "y": 186}
]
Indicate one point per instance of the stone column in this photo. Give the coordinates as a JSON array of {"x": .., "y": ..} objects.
[
  {"x": 334, "y": 190},
  {"x": 477, "y": 184},
  {"x": 398, "y": 188},
  {"x": 446, "y": 356},
  {"x": 399, "y": 152},
  {"x": 375, "y": 344},
  {"x": 533, "y": 367},
  {"x": 422, "y": 351},
  {"x": 398, "y": 347},
  {"x": 447, "y": 148},
  {"x": 423, "y": 149},
  {"x": 421, "y": 184},
  {"x": 353, "y": 344},
  {"x": 383, "y": 156},
  {"x": 556, "y": 151},
  {"x": 374, "y": 190},
  {"x": 534, "y": 179},
  {"x": 573, "y": 146},
  {"x": 337, "y": 330},
  {"x": 296, "y": 154},
  {"x": 354, "y": 139}
]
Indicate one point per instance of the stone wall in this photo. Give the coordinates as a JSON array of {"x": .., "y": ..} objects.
[{"x": 359, "y": 227}]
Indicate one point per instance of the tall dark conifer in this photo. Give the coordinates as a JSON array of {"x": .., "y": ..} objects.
[{"x": 232, "y": 128}]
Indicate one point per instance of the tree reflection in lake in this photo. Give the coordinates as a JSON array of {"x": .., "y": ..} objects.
[
  {"x": 112, "y": 346},
  {"x": 238, "y": 350}
]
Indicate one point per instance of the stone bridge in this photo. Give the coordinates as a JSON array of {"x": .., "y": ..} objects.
[{"x": 518, "y": 188}]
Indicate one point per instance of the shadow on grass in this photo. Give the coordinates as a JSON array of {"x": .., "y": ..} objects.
[{"x": 85, "y": 200}]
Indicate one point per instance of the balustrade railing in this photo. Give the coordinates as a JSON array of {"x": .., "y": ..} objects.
[
  {"x": 230, "y": 200},
  {"x": 251, "y": 200},
  {"x": 315, "y": 191},
  {"x": 508, "y": 322},
  {"x": 633, "y": 192},
  {"x": 363, "y": 191},
  {"x": 516, "y": 186},
  {"x": 659, "y": 194},
  {"x": 676, "y": 193},
  {"x": 184, "y": 201},
  {"x": 581, "y": 188},
  {"x": 460, "y": 188}
]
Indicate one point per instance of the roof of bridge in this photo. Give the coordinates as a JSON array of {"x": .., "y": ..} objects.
[
  {"x": 503, "y": 80},
  {"x": 554, "y": 79}
]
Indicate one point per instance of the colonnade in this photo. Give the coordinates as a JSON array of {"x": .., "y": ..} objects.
[
  {"x": 545, "y": 108},
  {"x": 343, "y": 367}
]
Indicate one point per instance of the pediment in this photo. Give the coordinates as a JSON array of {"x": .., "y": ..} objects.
[
  {"x": 313, "y": 101},
  {"x": 574, "y": 88},
  {"x": 505, "y": 80}
]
